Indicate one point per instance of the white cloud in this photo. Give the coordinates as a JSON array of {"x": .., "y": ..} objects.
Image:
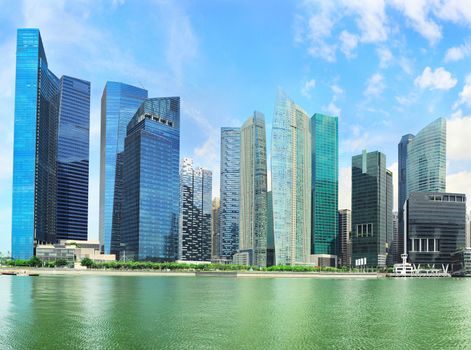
[
  {"x": 416, "y": 11},
  {"x": 465, "y": 94},
  {"x": 459, "y": 52},
  {"x": 374, "y": 85},
  {"x": 371, "y": 19},
  {"x": 458, "y": 134},
  {"x": 337, "y": 90},
  {"x": 332, "y": 109},
  {"x": 345, "y": 188},
  {"x": 385, "y": 56},
  {"x": 459, "y": 182},
  {"x": 308, "y": 86},
  {"x": 440, "y": 79},
  {"x": 348, "y": 43},
  {"x": 456, "y": 11}
]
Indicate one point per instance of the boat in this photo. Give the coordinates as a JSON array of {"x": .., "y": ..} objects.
[{"x": 9, "y": 273}]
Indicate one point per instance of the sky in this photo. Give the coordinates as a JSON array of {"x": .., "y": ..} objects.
[{"x": 385, "y": 68}]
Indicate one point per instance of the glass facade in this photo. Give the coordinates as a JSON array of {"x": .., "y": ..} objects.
[
  {"x": 41, "y": 101},
  {"x": 372, "y": 204},
  {"x": 345, "y": 233},
  {"x": 230, "y": 190},
  {"x": 402, "y": 149},
  {"x": 151, "y": 188},
  {"x": 426, "y": 159},
  {"x": 325, "y": 155},
  {"x": 119, "y": 102},
  {"x": 215, "y": 229},
  {"x": 253, "y": 189},
  {"x": 436, "y": 226},
  {"x": 72, "y": 159},
  {"x": 291, "y": 182},
  {"x": 195, "y": 212}
]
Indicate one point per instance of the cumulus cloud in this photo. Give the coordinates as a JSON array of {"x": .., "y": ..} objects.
[
  {"x": 308, "y": 86},
  {"x": 385, "y": 56},
  {"x": 458, "y": 133},
  {"x": 375, "y": 85},
  {"x": 440, "y": 79},
  {"x": 417, "y": 14},
  {"x": 459, "y": 182},
  {"x": 457, "y": 53},
  {"x": 345, "y": 188},
  {"x": 465, "y": 94},
  {"x": 348, "y": 43}
]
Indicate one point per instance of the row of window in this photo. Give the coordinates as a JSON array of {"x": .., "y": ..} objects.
[
  {"x": 364, "y": 230},
  {"x": 426, "y": 245}
]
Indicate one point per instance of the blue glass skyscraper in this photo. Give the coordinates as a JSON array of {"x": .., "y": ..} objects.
[
  {"x": 230, "y": 190},
  {"x": 72, "y": 159},
  {"x": 325, "y": 238},
  {"x": 41, "y": 102},
  {"x": 151, "y": 186},
  {"x": 119, "y": 103}
]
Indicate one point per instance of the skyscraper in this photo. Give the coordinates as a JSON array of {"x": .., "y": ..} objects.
[
  {"x": 215, "y": 245},
  {"x": 151, "y": 188},
  {"x": 436, "y": 226},
  {"x": 230, "y": 189},
  {"x": 345, "y": 232},
  {"x": 195, "y": 212},
  {"x": 119, "y": 103},
  {"x": 402, "y": 149},
  {"x": 43, "y": 103},
  {"x": 426, "y": 159},
  {"x": 422, "y": 166},
  {"x": 324, "y": 231},
  {"x": 395, "y": 253},
  {"x": 372, "y": 202},
  {"x": 73, "y": 159},
  {"x": 253, "y": 189},
  {"x": 291, "y": 182},
  {"x": 270, "y": 233}
]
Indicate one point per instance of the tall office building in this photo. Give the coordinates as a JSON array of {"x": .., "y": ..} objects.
[
  {"x": 194, "y": 242},
  {"x": 253, "y": 190},
  {"x": 426, "y": 159},
  {"x": 422, "y": 166},
  {"x": 291, "y": 182},
  {"x": 230, "y": 190},
  {"x": 372, "y": 203},
  {"x": 73, "y": 159},
  {"x": 151, "y": 188},
  {"x": 270, "y": 233},
  {"x": 43, "y": 103},
  {"x": 395, "y": 251},
  {"x": 402, "y": 149},
  {"x": 324, "y": 229},
  {"x": 119, "y": 103},
  {"x": 215, "y": 253},
  {"x": 436, "y": 226},
  {"x": 345, "y": 231}
]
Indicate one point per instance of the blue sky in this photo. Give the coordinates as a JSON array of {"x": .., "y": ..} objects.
[{"x": 386, "y": 68}]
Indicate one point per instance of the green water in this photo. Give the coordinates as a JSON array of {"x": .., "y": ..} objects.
[{"x": 104, "y": 312}]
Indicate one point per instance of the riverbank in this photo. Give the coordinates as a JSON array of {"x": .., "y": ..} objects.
[{"x": 233, "y": 274}]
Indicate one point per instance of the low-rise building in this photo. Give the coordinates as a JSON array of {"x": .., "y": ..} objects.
[{"x": 72, "y": 251}]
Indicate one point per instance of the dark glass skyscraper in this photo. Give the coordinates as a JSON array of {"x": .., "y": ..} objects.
[
  {"x": 372, "y": 202},
  {"x": 41, "y": 101},
  {"x": 72, "y": 159},
  {"x": 402, "y": 190},
  {"x": 325, "y": 156},
  {"x": 230, "y": 190},
  {"x": 151, "y": 188},
  {"x": 195, "y": 212},
  {"x": 119, "y": 102}
]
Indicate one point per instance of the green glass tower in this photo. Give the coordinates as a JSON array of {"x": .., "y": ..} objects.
[{"x": 324, "y": 232}]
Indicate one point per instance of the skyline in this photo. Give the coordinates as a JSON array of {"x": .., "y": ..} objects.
[{"x": 225, "y": 100}]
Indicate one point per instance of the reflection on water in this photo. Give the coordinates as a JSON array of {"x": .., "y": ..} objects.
[{"x": 105, "y": 312}]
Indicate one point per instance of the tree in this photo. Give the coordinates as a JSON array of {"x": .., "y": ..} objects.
[
  {"x": 87, "y": 262},
  {"x": 61, "y": 262},
  {"x": 35, "y": 262}
]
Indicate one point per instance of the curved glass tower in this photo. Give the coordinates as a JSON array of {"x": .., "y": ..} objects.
[
  {"x": 253, "y": 188},
  {"x": 291, "y": 182},
  {"x": 426, "y": 159}
]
